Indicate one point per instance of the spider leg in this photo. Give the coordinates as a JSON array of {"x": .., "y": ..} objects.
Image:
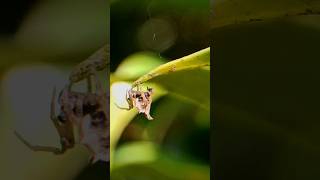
[
  {"x": 40, "y": 148},
  {"x": 96, "y": 82},
  {"x": 147, "y": 112},
  {"x": 124, "y": 108},
  {"x": 129, "y": 99},
  {"x": 91, "y": 83},
  {"x": 65, "y": 130}
]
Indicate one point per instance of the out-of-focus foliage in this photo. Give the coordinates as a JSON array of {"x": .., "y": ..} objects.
[
  {"x": 147, "y": 35},
  {"x": 186, "y": 80},
  {"x": 56, "y": 31},
  {"x": 187, "y": 77},
  {"x": 51, "y": 38},
  {"x": 266, "y": 89},
  {"x": 169, "y": 28},
  {"x": 144, "y": 160},
  {"x": 128, "y": 69},
  {"x": 228, "y": 12},
  {"x": 64, "y": 26}
]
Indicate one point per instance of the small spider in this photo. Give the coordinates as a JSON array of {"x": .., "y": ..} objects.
[
  {"x": 89, "y": 113},
  {"x": 141, "y": 100}
]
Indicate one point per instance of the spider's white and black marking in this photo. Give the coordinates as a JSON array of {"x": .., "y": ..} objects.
[
  {"x": 141, "y": 100},
  {"x": 88, "y": 112}
]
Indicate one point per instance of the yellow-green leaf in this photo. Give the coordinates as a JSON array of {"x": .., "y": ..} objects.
[
  {"x": 192, "y": 61},
  {"x": 187, "y": 78},
  {"x": 136, "y": 65}
]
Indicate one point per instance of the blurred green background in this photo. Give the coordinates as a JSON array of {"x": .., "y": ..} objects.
[
  {"x": 175, "y": 145},
  {"x": 40, "y": 42},
  {"x": 266, "y": 72}
]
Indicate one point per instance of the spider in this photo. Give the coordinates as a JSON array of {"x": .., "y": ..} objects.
[
  {"x": 88, "y": 112},
  {"x": 141, "y": 100},
  {"x": 97, "y": 62}
]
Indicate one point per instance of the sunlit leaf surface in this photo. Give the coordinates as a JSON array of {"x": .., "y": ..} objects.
[{"x": 187, "y": 78}]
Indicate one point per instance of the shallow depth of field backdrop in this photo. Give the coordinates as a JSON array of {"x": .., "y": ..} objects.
[
  {"x": 266, "y": 95},
  {"x": 40, "y": 42},
  {"x": 175, "y": 145}
]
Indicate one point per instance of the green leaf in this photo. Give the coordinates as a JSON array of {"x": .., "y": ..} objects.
[
  {"x": 189, "y": 85},
  {"x": 226, "y": 12},
  {"x": 192, "y": 61},
  {"x": 187, "y": 78},
  {"x": 136, "y": 65}
]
